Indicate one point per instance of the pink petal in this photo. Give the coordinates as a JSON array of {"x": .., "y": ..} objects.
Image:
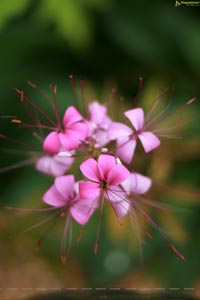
[
  {"x": 126, "y": 148},
  {"x": 79, "y": 131},
  {"x": 73, "y": 135},
  {"x": 83, "y": 210},
  {"x": 54, "y": 198},
  {"x": 97, "y": 112},
  {"x": 89, "y": 190},
  {"x": 116, "y": 130},
  {"x": 149, "y": 141},
  {"x": 115, "y": 194},
  {"x": 117, "y": 198},
  {"x": 137, "y": 184},
  {"x": 105, "y": 164},
  {"x": 121, "y": 208},
  {"x": 90, "y": 170},
  {"x": 43, "y": 164},
  {"x": 54, "y": 165},
  {"x": 60, "y": 165},
  {"x": 136, "y": 117},
  {"x": 51, "y": 143},
  {"x": 118, "y": 174},
  {"x": 68, "y": 140},
  {"x": 101, "y": 138},
  {"x": 65, "y": 186},
  {"x": 71, "y": 116}
]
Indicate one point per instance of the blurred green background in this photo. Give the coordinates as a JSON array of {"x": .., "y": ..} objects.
[{"x": 109, "y": 44}]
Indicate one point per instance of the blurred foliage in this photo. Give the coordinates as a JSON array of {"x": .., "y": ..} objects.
[{"x": 110, "y": 44}]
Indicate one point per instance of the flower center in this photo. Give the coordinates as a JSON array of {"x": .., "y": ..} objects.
[{"x": 104, "y": 184}]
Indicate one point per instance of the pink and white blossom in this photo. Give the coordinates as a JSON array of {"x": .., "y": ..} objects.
[
  {"x": 55, "y": 165},
  {"x": 105, "y": 177},
  {"x": 98, "y": 123},
  {"x": 127, "y": 137},
  {"x": 62, "y": 195},
  {"x": 74, "y": 132}
]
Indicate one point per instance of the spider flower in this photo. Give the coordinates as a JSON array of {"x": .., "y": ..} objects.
[
  {"x": 55, "y": 165},
  {"x": 105, "y": 177},
  {"x": 127, "y": 137},
  {"x": 148, "y": 129},
  {"x": 75, "y": 131},
  {"x": 63, "y": 196},
  {"x": 98, "y": 123}
]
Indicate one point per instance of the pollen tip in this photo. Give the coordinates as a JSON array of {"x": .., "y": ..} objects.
[
  {"x": 96, "y": 248},
  {"x": 177, "y": 252},
  {"x": 37, "y": 247},
  {"x": 148, "y": 235},
  {"x": 191, "y": 101},
  {"x": 16, "y": 121},
  {"x": 53, "y": 88},
  {"x": 63, "y": 258},
  {"x": 33, "y": 85},
  {"x": 79, "y": 236}
]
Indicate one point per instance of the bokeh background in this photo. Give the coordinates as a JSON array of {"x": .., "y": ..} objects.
[{"x": 107, "y": 43}]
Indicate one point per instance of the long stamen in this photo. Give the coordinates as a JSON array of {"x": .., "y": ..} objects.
[
  {"x": 136, "y": 230},
  {"x": 33, "y": 85},
  {"x": 161, "y": 232},
  {"x": 72, "y": 82},
  {"x": 28, "y": 112},
  {"x": 158, "y": 117},
  {"x": 63, "y": 253},
  {"x": 55, "y": 106},
  {"x": 155, "y": 104},
  {"x": 19, "y": 142},
  {"x": 156, "y": 204},
  {"x": 20, "y": 164},
  {"x": 138, "y": 91},
  {"x": 38, "y": 126},
  {"x": 39, "y": 242},
  {"x": 79, "y": 235},
  {"x": 110, "y": 104},
  {"x": 96, "y": 246},
  {"x": 35, "y": 225},
  {"x": 37, "y": 210},
  {"x": 82, "y": 85},
  {"x": 169, "y": 115},
  {"x": 38, "y": 109}
]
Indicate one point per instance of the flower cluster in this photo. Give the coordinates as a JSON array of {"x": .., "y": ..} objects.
[{"x": 104, "y": 150}]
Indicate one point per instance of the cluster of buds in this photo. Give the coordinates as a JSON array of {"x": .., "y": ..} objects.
[{"x": 104, "y": 150}]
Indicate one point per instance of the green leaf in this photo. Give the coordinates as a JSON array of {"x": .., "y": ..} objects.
[{"x": 10, "y": 9}]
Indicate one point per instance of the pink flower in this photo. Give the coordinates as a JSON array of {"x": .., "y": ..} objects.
[
  {"x": 62, "y": 195},
  {"x": 105, "y": 175},
  {"x": 74, "y": 132},
  {"x": 98, "y": 124},
  {"x": 127, "y": 137},
  {"x": 55, "y": 165}
]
